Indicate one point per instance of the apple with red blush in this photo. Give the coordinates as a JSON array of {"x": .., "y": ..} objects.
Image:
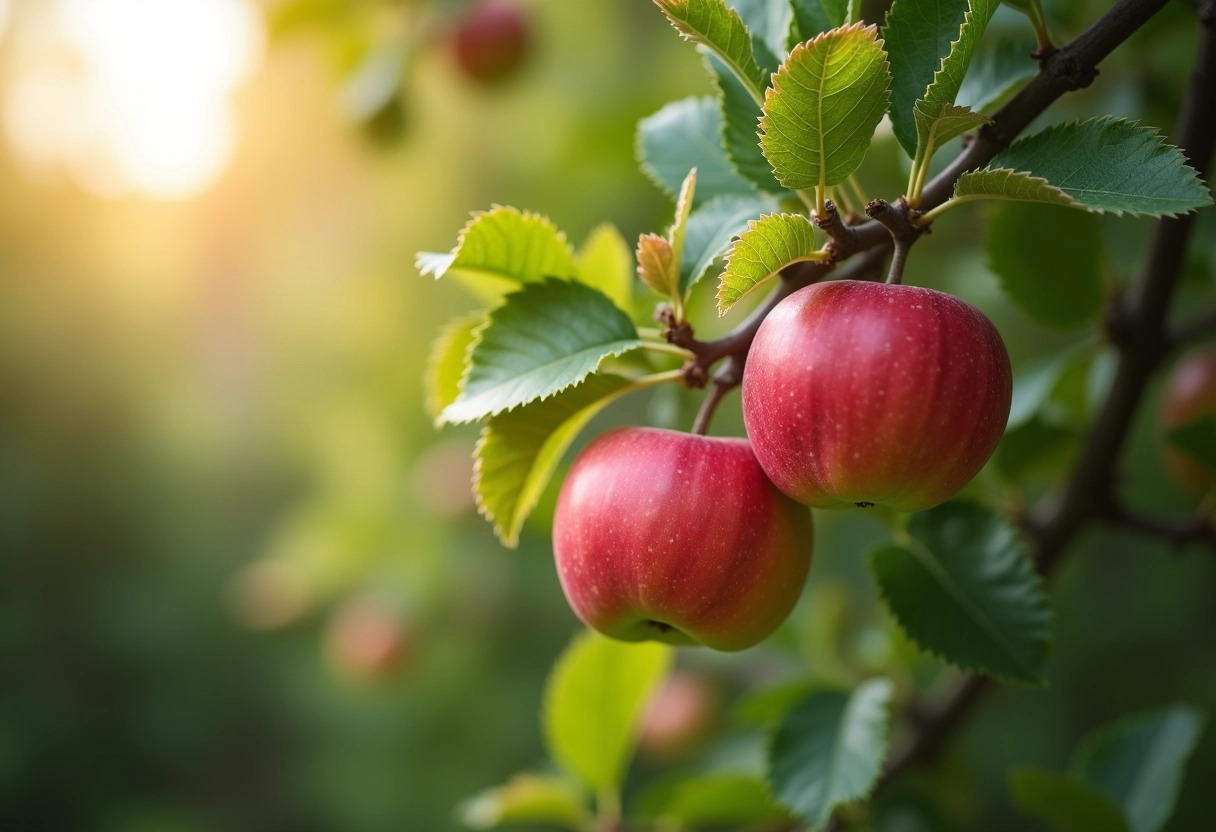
[
  {"x": 678, "y": 538},
  {"x": 859, "y": 393}
]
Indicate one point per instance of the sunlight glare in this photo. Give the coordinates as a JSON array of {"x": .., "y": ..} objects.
[{"x": 147, "y": 107}]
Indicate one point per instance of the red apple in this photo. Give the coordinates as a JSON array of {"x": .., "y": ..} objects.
[
  {"x": 678, "y": 538},
  {"x": 1190, "y": 394},
  {"x": 679, "y": 717},
  {"x": 491, "y": 40},
  {"x": 874, "y": 394}
]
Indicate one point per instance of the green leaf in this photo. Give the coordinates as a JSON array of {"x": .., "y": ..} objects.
[
  {"x": 918, "y": 35},
  {"x": 740, "y": 115},
  {"x": 687, "y": 134},
  {"x": 963, "y": 589},
  {"x": 1005, "y": 183},
  {"x": 519, "y": 450},
  {"x": 813, "y": 17},
  {"x": 500, "y": 249},
  {"x": 1198, "y": 438},
  {"x": 997, "y": 70},
  {"x": 1065, "y": 803},
  {"x": 544, "y": 338},
  {"x": 769, "y": 23},
  {"x": 448, "y": 361},
  {"x": 715, "y": 800},
  {"x": 710, "y": 231},
  {"x": 948, "y": 79},
  {"x": 593, "y": 702},
  {"x": 769, "y": 245},
  {"x": 820, "y": 113},
  {"x": 1109, "y": 164},
  {"x": 1138, "y": 763},
  {"x": 938, "y": 122},
  {"x": 1049, "y": 260},
  {"x": 719, "y": 28},
  {"x": 606, "y": 263},
  {"x": 528, "y": 799},
  {"x": 829, "y": 750}
]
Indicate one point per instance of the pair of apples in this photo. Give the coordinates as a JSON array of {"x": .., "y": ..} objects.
[{"x": 854, "y": 393}]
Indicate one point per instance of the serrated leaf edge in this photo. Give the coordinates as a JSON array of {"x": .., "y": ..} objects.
[
  {"x": 477, "y": 337},
  {"x": 722, "y": 310},
  {"x": 475, "y": 217},
  {"x": 1135, "y": 123},
  {"x": 1039, "y": 680}
]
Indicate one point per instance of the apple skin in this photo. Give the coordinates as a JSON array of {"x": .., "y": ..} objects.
[
  {"x": 491, "y": 41},
  {"x": 859, "y": 393},
  {"x": 1189, "y": 394},
  {"x": 673, "y": 537}
]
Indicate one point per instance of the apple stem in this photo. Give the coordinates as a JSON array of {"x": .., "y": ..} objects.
[{"x": 725, "y": 379}]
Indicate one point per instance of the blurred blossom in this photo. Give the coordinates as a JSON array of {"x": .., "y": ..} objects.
[
  {"x": 132, "y": 95},
  {"x": 366, "y": 639}
]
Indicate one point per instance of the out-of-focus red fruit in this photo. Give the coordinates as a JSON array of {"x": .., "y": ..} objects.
[
  {"x": 491, "y": 41},
  {"x": 366, "y": 639},
  {"x": 1190, "y": 394},
  {"x": 679, "y": 718}
]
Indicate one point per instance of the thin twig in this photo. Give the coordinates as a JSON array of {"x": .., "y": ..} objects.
[
  {"x": 1176, "y": 533},
  {"x": 843, "y": 239},
  {"x": 1198, "y": 329}
]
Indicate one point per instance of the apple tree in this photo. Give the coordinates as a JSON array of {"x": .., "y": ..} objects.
[{"x": 860, "y": 393}]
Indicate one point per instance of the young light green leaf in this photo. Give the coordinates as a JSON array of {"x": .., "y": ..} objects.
[
  {"x": 1198, "y": 438},
  {"x": 937, "y": 122},
  {"x": 528, "y": 799},
  {"x": 710, "y": 231},
  {"x": 519, "y": 450},
  {"x": 769, "y": 245},
  {"x": 546, "y": 337},
  {"x": 684, "y": 134},
  {"x": 1138, "y": 763},
  {"x": 500, "y": 249},
  {"x": 813, "y": 17},
  {"x": 593, "y": 701},
  {"x": 963, "y": 589},
  {"x": 740, "y": 129},
  {"x": 918, "y": 35},
  {"x": 1109, "y": 164},
  {"x": 820, "y": 114},
  {"x": 949, "y": 78},
  {"x": 448, "y": 361},
  {"x": 678, "y": 226},
  {"x": 717, "y": 800},
  {"x": 1005, "y": 183},
  {"x": 716, "y": 26},
  {"x": 657, "y": 265},
  {"x": 829, "y": 750},
  {"x": 606, "y": 263},
  {"x": 1067, "y": 804},
  {"x": 996, "y": 72},
  {"x": 1057, "y": 280},
  {"x": 769, "y": 23}
]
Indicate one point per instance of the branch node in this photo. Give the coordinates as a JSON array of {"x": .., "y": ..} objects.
[{"x": 843, "y": 238}]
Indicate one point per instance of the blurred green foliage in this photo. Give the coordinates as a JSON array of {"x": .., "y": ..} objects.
[{"x": 192, "y": 391}]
